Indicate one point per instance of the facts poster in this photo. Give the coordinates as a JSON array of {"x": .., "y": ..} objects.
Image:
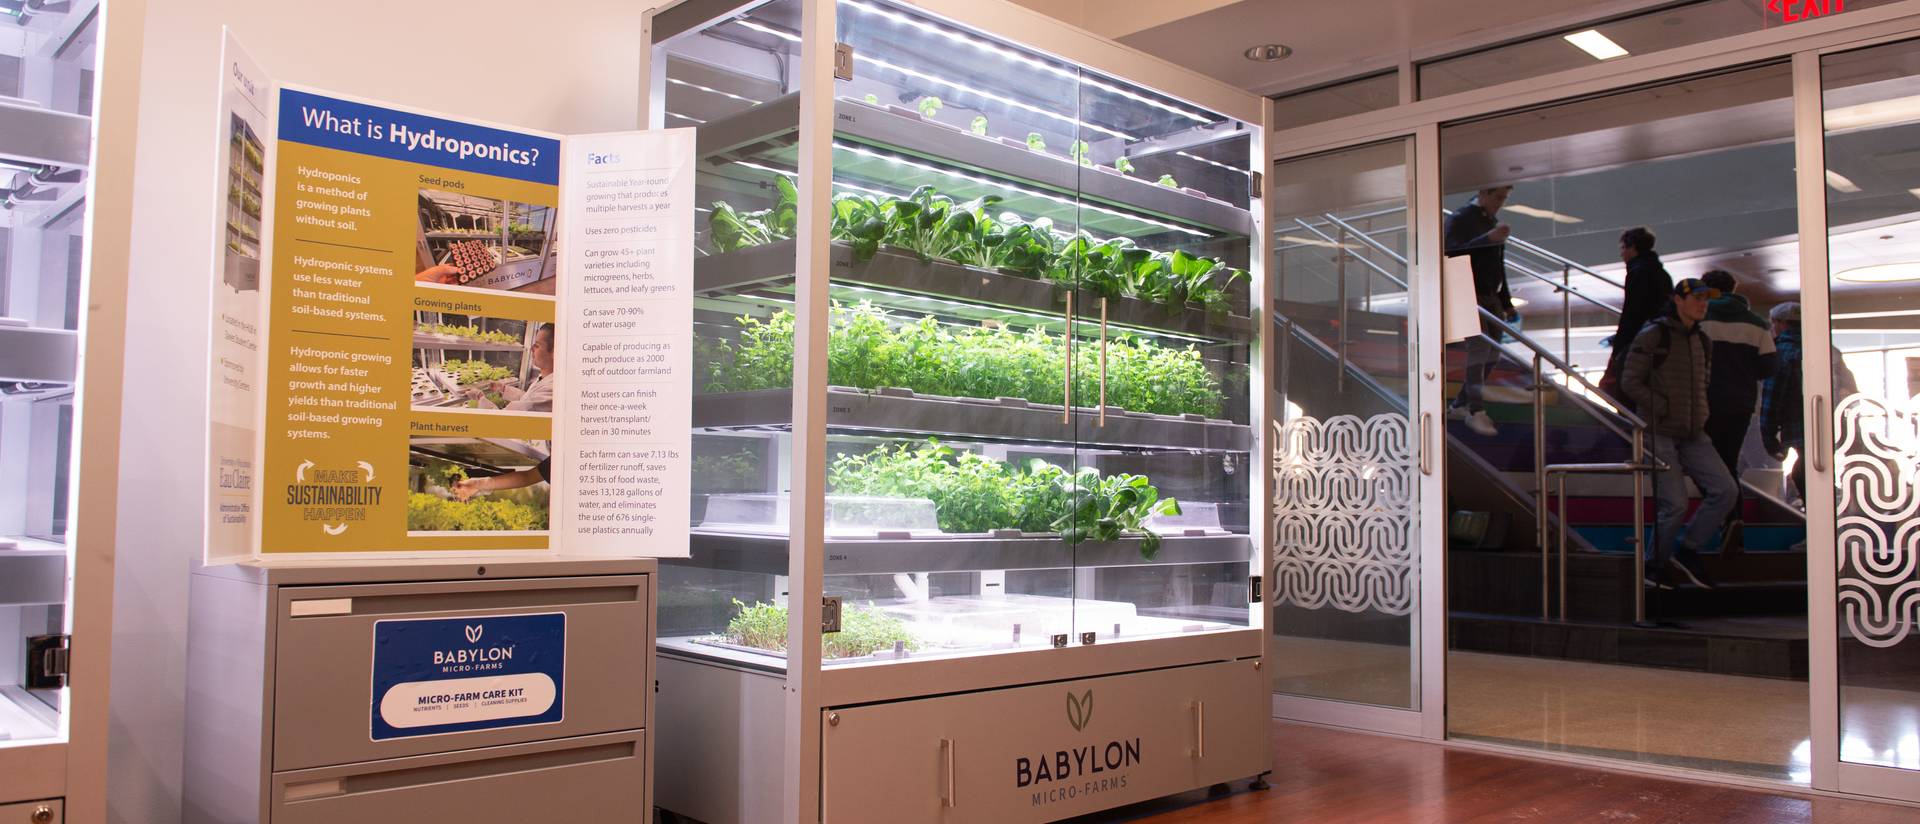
[
  {"x": 629, "y": 309},
  {"x": 410, "y": 357}
]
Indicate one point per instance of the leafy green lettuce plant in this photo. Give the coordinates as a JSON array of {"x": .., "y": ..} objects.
[
  {"x": 972, "y": 493},
  {"x": 979, "y": 125}
]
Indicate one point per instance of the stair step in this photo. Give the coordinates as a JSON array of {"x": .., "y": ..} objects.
[{"x": 1726, "y": 648}]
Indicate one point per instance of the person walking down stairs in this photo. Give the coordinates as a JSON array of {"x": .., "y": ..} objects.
[
  {"x": 1647, "y": 289},
  {"x": 1743, "y": 357},
  {"x": 1666, "y": 375},
  {"x": 1476, "y": 232}
]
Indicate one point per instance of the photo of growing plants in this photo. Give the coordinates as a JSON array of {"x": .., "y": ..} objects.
[
  {"x": 466, "y": 362},
  {"x": 471, "y": 485},
  {"x": 1035, "y": 334}
]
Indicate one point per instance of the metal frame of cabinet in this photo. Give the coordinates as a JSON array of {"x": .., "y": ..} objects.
[{"x": 280, "y": 662}]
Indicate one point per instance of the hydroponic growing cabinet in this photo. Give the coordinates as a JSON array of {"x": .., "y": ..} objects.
[{"x": 978, "y": 313}]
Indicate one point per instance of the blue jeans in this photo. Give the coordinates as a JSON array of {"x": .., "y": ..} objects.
[{"x": 1691, "y": 457}]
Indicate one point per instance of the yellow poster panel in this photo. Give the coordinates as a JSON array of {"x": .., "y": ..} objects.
[{"x": 410, "y": 357}]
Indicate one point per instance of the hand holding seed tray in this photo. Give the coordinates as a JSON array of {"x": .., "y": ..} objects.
[{"x": 443, "y": 273}]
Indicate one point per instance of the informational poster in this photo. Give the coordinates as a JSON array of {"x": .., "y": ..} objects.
[
  {"x": 411, "y": 344},
  {"x": 401, "y": 352},
  {"x": 629, "y": 313},
  {"x": 234, "y": 383},
  {"x": 445, "y": 675}
]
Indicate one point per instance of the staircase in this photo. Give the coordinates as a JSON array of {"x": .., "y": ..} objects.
[{"x": 1503, "y": 591}]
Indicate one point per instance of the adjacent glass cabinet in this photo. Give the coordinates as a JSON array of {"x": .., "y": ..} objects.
[
  {"x": 49, "y": 586},
  {"x": 976, "y": 330}
]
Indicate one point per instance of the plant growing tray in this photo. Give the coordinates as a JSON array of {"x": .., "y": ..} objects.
[
  {"x": 772, "y": 264},
  {"x": 423, "y": 340},
  {"x": 767, "y": 554},
  {"x": 896, "y": 411}
]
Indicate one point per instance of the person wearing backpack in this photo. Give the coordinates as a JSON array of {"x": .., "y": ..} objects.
[
  {"x": 1743, "y": 357},
  {"x": 1666, "y": 375}
]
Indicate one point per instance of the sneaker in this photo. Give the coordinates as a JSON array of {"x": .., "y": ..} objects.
[
  {"x": 1658, "y": 579},
  {"x": 1458, "y": 412},
  {"x": 1731, "y": 535},
  {"x": 1481, "y": 424},
  {"x": 1687, "y": 563}
]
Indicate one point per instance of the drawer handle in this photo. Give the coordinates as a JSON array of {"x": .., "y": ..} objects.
[
  {"x": 320, "y": 606},
  {"x": 949, "y": 795},
  {"x": 1199, "y": 729}
]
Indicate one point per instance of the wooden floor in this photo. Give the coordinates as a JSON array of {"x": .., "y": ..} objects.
[{"x": 1328, "y": 777}]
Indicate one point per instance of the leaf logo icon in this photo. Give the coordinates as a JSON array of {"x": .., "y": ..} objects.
[
  {"x": 1080, "y": 710},
  {"x": 473, "y": 633}
]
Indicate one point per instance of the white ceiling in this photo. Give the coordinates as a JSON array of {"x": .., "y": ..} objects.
[{"x": 1331, "y": 40}]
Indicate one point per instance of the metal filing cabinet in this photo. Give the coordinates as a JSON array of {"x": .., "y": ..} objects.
[{"x": 297, "y": 713}]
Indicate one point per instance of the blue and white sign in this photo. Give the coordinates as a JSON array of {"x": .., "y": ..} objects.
[{"x": 435, "y": 676}]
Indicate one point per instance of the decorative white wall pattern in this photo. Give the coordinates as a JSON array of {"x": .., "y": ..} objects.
[
  {"x": 1877, "y": 473},
  {"x": 1342, "y": 503}
]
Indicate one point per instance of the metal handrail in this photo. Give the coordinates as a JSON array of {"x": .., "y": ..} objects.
[{"x": 1638, "y": 469}]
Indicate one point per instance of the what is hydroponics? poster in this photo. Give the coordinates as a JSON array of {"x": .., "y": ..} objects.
[{"x": 411, "y": 309}]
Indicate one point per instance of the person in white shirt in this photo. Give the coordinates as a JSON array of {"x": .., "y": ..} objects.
[{"x": 538, "y": 395}]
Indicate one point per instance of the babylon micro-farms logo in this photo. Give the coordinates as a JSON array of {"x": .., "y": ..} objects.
[{"x": 1080, "y": 710}]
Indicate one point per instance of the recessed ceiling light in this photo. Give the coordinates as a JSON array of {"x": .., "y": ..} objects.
[
  {"x": 1594, "y": 43},
  {"x": 1840, "y": 183},
  {"x": 1881, "y": 273},
  {"x": 1268, "y": 53}
]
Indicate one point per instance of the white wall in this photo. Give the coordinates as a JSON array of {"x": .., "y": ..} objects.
[{"x": 569, "y": 66}]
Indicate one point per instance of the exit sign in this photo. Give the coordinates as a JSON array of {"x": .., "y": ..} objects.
[{"x": 1794, "y": 11}]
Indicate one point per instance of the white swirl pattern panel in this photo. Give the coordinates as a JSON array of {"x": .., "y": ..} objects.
[
  {"x": 1877, "y": 543},
  {"x": 1342, "y": 525}
]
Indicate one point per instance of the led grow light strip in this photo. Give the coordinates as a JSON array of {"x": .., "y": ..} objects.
[
  {"x": 1016, "y": 57},
  {"x": 914, "y": 164},
  {"x": 685, "y": 117},
  {"x": 1211, "y": 162},
  {"x": 1039, "y": 319},
  {"x": 711, "y": 90},
  {"x": 920, "y": 75}
]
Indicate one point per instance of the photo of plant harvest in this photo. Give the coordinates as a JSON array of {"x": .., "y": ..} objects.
[
  {"x": 438, "y": 467},
  {"x": 871, "y": 348}
]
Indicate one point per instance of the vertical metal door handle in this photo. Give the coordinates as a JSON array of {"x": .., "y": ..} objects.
[
  {"x": 1818, "y": 445},
  {"x": 1426, "y": 433},
  {"x": 1103, "y": 362},
  {"x": 950, "y": 794},
  {"x": 1199, "y": 729},
  {"x": 1066, "y": 339}
]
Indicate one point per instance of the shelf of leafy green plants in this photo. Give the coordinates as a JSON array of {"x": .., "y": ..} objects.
[
  {"x": 977, "y": 151},
  {"x": 767, "y": 554},
  {"x": 906, "y": 280}
]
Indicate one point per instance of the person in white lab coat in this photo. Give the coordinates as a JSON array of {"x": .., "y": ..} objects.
[{"x": 538, "y": 395}]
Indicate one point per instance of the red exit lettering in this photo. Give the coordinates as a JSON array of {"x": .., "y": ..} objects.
[{"x": 1794, "y": 11}]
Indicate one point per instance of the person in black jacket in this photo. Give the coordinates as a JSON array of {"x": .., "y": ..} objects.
[
  {"x": 1647, "y": 289},
  {"x": 1743, "y": 356},
  {"x": 1474, "y": 231}
]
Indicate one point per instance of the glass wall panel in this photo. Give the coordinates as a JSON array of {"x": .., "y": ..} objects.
[
  {"x": 1345, "y": 605},
  {"x": 1872, "y": 111},
  {"x": 1572, "y": 224}
]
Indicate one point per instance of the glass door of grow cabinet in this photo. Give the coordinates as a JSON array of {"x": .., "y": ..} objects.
[
  {"x": 949, "y": 441},
  {"x": 47, "y": 60},
  {"x": 1163, "y": 417}
]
